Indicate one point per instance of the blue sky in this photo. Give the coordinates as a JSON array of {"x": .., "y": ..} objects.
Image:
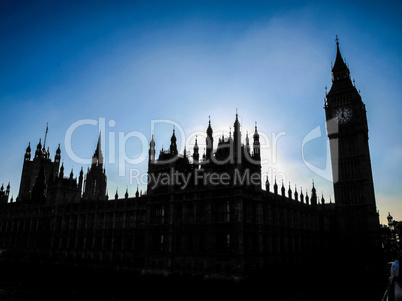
[{"x": 130, "y": 63}]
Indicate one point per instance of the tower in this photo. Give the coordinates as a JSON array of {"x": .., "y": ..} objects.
[
  {"x": 173, "y": 145},
  {"x": 209, "y": 141},
  {"x": 237, "y": 141},
  {"x": 196, "y": 155},
  {"x": 152, "y": 151},
  {"x": 390, "y": 221},
  {"x": 31, "y": 168},
  {"x": 313, "y": 196},
  {"x": 4, "y": 194},
  {"x": 350, "y": 157},
  {"x": 95, "y": 183},
  {"x": 256, "y": 145}
]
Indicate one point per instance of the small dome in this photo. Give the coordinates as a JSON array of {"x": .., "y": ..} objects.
[{"x": 39, "y": 146}]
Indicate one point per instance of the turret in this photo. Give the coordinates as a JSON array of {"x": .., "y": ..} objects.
[
  {"x": 97, "y": 158},
  {"x": 38, "y": 151},
  {"x": 247, "y": 144},
  {"x": 267, "y": 185},
  {"x": 152, "y": 151},
  {"x": 275, "y": 187},
  {"x": 80, "y": 180},
  {"x": 313, "y": 196},
  {"x": 173, "y": 145},
  {"x": 209, "y": 141},
  {"x": 196, "y": 155},
  {"x": 289, "y": 192},
  {"x": 96, "y": 182},
  {"x": 390, "y": 219},
  {"x": 283, "y": 189},
  {"x": 5, "y": 194},
  {"x": 237, "y": 140},
  {"x": 57, "y": 157},
  {"x": 61, "y": 173},
  {"x": 185, "y": 154},
  {"x": 256, "y": 145},
  {"x": 28, "y": 153}
]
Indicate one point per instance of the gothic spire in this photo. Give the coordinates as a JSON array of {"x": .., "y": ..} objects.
[
  {"x": 57, "y": 156},
  {"x": 247, "y": 146},
  {"x": 38, "y": 152},
  {"x": 209, "y": 140},
  {"x": 28, "y": 152},
  {"x": 209, "y": 129},
  {"x": 307, "y": 198},
  {"x": 267, "y": 185},
  {"x": 173, "y": 145},
  {"x": 340, "y": 71},
  {"x": 313, "y": 196},
  {"x": 289, "y": 192},
  {"x": 283, "y": 189},
  {"x": 61, "y": 173},
  {"x": 98, "y": 156},
  {"x": 236, "y": 138},
  {"x": 256, "y": 144},
  {"x": 152, "y": 150},
  {"x": 196, "y": 155},
  {"x": 275, "y": 187}
]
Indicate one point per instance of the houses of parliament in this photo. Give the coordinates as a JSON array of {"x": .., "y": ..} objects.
[{"x": 225, "y": 222}]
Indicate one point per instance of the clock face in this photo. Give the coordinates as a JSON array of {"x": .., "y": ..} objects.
[{"x": 343, "y": 114}]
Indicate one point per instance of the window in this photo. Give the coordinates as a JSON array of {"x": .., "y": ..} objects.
[{"x": 227, "y": 213}]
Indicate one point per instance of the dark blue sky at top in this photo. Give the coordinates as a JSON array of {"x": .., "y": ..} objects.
[{"x": 55, "y": 33}]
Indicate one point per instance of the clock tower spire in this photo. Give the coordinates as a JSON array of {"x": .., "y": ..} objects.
[{"x": 350, "y": 157}]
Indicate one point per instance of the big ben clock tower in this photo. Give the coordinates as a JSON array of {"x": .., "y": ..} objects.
[{"x": 358, "y": 222}]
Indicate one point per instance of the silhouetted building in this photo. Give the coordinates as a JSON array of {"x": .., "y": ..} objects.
[
  {"x": 201, "y": 215},
  {"x": 4, "y": 194},
  {"x": 351, "y": 165},
  {"x": 42, "y": 180}
]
